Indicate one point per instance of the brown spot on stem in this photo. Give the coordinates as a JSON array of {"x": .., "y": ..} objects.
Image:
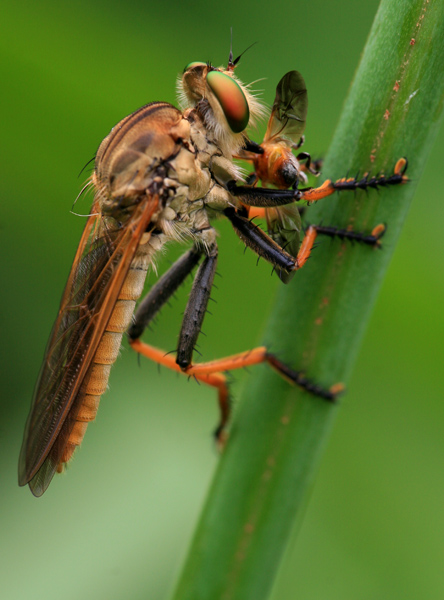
[{"x": 249, "y": 528}]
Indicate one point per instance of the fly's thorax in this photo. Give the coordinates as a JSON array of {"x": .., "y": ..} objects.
[
  {"x": 160, "y": 151},
  {"x": 186, "y": 169},
  {"x": 217, "y": 200},
  {"x": 212, "y": 171},
  {"x": 129, "y": 161},
  {"x": 209, "y": 152},
  {"x": 201, "y": 183}
]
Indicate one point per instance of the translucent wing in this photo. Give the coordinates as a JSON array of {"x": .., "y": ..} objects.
[
  {"x": 94, "y": 283},
  {"x": 284, "y": 227},
  {"x": 289, "y": 111}
]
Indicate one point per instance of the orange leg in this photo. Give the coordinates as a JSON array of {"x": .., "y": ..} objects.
[
  {"x": 211, "y": 374},
  {"x": 373, "y": 239},
  {"x": 256, "y": 212},
  {"x": 215, "y": 379},
  {"x": 330, "y": 187},
  {"x": 306, "y": 247}
]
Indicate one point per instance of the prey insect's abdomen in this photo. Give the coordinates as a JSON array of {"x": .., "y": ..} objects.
[{"x": 105, "y": 356}]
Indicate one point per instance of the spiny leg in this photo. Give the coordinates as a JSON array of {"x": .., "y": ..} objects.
[
  {"x": 315, "y": 166},
  {"x": 162, "y": 291},
  {"x": 264, "y": 246},
  {"x": 211, "y": 373},
  {"x": 308, "y": 165},
  {"x": 330, "y": 187},
  {"x": 260, "y": 355},
  {"x": 192, "y": 322},
  {"x": 256, "y": 239},
  {"x": 215, "y": 379},
  {"x": 196, "y": 309},
  {"x": 312, "y": 231},
  {"x": 270, "y": 198}
]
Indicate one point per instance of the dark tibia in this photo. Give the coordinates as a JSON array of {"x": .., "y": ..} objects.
[
  {"x": 297, "y": 378},
  {"x": 345, "y": 234},
  {"x": 259, "y": 241},
  {"x": 309, "y": 164},
  {"x": 162, "y": 291},
  {"x": 195, "y": 310},
  {"x": 369, "y": 182},
  {"x": 262, "y": 197}
]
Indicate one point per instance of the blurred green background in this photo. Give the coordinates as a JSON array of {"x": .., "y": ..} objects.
[{"x": 119, "y": 523}]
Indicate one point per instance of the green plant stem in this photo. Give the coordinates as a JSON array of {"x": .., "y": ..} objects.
[{"x": 258, "y": 495}]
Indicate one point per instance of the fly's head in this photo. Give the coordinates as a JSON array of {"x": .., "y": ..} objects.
[{"x": 224, "y": 103}]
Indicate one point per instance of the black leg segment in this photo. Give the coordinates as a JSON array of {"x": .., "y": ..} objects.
[
  {"x": 251, "y": 146},
  {"x": 195, "y": 310},
  {"x": 370, "y": 239},
  {"x": 262, "y": 197},
  {"x": 297, "y": 378},
  {"x": 162, "y": 291},
  {"x": 260, "y": 242}
]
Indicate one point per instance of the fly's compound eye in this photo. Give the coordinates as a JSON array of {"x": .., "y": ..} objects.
[{"x": 231, "y": 98}]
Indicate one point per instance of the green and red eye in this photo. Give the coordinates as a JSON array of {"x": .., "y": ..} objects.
[{"x": 231, "y": 98}]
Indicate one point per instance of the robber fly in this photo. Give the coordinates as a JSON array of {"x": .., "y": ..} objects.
[{"x": 162, "y": 174}]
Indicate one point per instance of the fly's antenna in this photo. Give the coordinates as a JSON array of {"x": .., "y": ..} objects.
[{"x": 232, "y": 63}]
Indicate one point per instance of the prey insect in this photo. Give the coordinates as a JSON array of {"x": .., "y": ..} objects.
[
  {"x": 274, "y": 163},
  {"x": 162, "y": 174}
]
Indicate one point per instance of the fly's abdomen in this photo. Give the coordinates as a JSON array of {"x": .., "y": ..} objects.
[{"x": 105, "y": 357}]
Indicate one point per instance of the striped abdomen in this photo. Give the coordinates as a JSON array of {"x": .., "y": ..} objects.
[{"x": 105, "y": 357}]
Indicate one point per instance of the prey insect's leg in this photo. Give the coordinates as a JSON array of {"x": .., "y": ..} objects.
[
  {"x": 316, "y": 165},
  {"x": 309, "y": 165}
]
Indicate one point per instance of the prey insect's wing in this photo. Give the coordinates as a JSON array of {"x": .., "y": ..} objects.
[
  {"x": 98, "y": 272},
  {"x": 284, "y": 226},
  {"x": 289, "y": 110}
]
